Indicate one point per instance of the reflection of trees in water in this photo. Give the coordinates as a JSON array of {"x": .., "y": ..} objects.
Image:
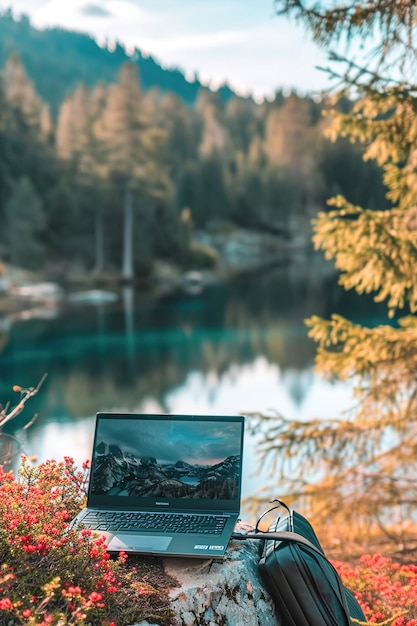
[{"x": 95, "y": 358}]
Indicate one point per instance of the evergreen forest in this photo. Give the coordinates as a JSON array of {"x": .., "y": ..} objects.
[{"x": 107, "y": 166}]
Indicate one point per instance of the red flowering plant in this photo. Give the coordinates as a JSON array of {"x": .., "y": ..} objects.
[
  {"x": 50, "y": 574},
  {"x": 386, "y": 590}
]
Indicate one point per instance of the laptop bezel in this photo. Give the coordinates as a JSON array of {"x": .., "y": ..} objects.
[{"x": 166, "y": 504}]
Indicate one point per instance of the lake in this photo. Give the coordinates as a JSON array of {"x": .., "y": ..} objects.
[{"x": 233, "y": 348}]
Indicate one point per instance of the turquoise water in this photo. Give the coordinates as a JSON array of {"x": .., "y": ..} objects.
[{"x": 233, "y": 348}]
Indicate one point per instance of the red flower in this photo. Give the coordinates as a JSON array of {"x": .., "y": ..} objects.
[
  {"x": 59, "y": 569},
  {"x": 95, "y": 596},
  {"x": 6, "y": 603}
]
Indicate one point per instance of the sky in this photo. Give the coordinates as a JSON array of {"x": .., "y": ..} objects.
[
  {"x": 168, "y": 441},
  {"x": 242, "y": 42}
]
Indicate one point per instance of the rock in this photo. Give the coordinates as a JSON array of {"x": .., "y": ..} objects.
[
  {"x": 243, "y": 249},
  {"x": 220, "y": 593},
  {"x": 47, "y": 292},
  {"x": 92, "y": 296}
]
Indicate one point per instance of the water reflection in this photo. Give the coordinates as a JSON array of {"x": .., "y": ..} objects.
[
  {"x": 128, "y": 296},
  {"x": 230, "y": 349},
  {"x": 258, "y": 386}
]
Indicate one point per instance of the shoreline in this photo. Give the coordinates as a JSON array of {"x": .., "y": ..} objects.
[{"x": 240, "y": 252}]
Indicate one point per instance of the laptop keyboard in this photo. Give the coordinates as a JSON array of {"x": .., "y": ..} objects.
[{"x": 155, "y": 522}]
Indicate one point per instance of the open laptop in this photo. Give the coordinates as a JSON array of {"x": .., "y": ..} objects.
[{"x": 165, "y": 484}]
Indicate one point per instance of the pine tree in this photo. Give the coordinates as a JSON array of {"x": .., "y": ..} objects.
[
  {"x": 213, "y": 132},
  {"x": 357, "y": 472},
  {"x": 179, "y": 123},
  {"x": 72, "y": 133},
  {"x": 77, "y": 146},
  {"x": 25, "y": 220},
  {"x": 28, "y": 109},
  {"x": 129, "y": 144},
  {"x": 290, "y": 138}
]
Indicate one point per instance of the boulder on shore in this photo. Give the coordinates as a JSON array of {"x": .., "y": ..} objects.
[{"x": 226, "y": 592}]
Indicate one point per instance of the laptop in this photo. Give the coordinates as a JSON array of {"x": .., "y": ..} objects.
[{"x": 165, "y": 484}]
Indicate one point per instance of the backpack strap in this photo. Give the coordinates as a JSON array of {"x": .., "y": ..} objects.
[{"x": 284, "y": 535}]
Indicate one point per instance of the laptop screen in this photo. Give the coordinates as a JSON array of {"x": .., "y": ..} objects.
[{"x": 167, "y": 461}]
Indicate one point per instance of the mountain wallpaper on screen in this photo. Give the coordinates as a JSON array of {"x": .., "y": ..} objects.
[{"x": 119, "y": 473}]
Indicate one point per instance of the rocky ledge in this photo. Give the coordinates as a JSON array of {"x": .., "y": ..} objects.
[{"x": 227, "y": 593}]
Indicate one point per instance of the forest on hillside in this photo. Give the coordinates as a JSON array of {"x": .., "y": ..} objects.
[
  {"x": 57, "y": 60},
  {"x": 121, "y": 175}
]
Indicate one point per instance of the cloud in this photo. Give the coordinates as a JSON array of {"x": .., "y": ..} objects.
[
  {"x": 253, "y": 60},
  {"x": 112, "y": 18},
  {"x": 169, "y": 440},
  {"x": 220, "y": 40},
  {"x": 20, "y": 7},
  {"x": 185, "y": 43}
]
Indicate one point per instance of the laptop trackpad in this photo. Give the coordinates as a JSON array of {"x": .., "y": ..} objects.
[{"x": 130, "y": 541}]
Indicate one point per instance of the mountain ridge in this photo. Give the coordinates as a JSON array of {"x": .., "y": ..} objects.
[
  {"x": 58, "y": 60},
  {"x": 118, "y": 472}
]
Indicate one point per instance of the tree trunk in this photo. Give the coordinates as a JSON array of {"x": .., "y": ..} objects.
[{"x": 127, "y": 269}]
